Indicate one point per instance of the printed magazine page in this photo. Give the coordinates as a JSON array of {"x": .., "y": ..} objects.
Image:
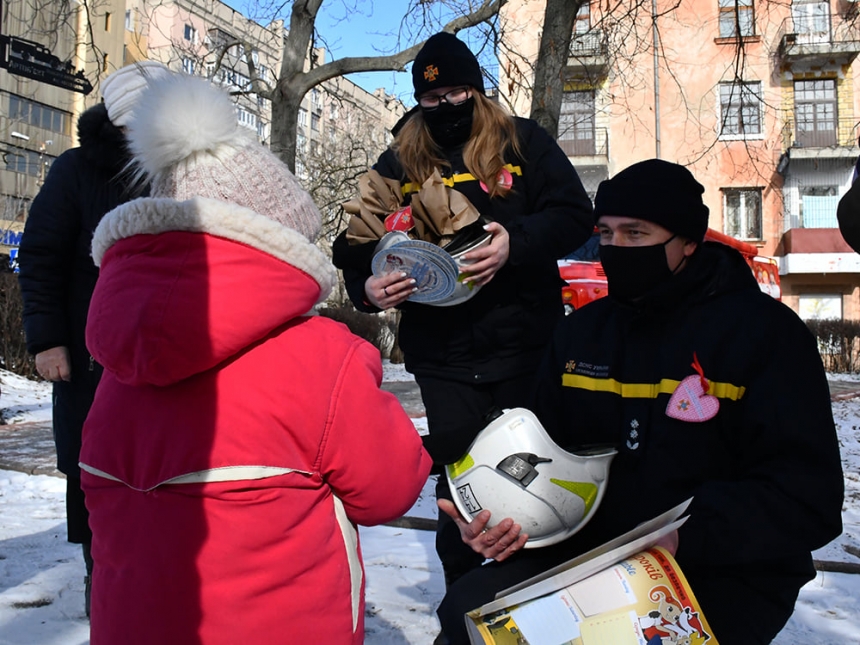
[{"x": 642, "y": 600}]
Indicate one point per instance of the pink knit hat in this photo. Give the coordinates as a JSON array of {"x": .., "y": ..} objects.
[{"x": 187, "y": 139}]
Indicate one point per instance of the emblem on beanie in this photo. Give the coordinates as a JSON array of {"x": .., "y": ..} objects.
[
  {"x": 690, "y": 401},
  {"x": 431, "y": 72}
]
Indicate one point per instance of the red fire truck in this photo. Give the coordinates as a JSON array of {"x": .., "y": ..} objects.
[{"x": 586, "y": 281}]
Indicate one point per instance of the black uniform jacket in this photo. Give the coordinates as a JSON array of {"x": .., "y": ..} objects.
[
  {"x": 848, "y": 214},
  {"x": 764, "y": 471},
  {"x": 502, "y": 331},
  {"x": 57, "y": 272}
]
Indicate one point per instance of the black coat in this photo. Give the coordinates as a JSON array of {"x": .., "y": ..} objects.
[
  {"x": 502, "y": 331},
  {"x": 57, "y": 274},
  {"x": 764, "y": 473},
  {"x": 848, "y": 213}
]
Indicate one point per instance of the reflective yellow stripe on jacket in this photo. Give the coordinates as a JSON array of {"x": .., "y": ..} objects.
[
  {"x": 646, "y": 390},
  {"x": 454, "y": 179}
]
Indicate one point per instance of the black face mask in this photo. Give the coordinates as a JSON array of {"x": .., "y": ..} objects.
[
  {"x": 450, "y": 125},
  {"x": 633, "y": 271}
]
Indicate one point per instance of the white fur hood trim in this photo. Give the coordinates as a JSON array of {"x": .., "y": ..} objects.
[{"x": 154, "y": 215}]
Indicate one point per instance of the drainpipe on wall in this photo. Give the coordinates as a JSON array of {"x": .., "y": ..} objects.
[
  {"x": 655, "y": 37},
  {"x": 81, "y": 29}
]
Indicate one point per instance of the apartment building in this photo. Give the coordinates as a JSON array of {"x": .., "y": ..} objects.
[
  {"x": 760, "y": 99},
  {"x": 342, "y": 129},
  {"x": 38, "y": 119},
  {"x": 208, "y": 38}
]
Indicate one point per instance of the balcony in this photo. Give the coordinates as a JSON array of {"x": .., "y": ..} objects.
[
  {"x": 812, "y": 36},
  {"x": 820, "y": 138},
  {"x": 586, "y": 147},
  {"x": 815, "y": 250},
  {"x": 588, "y": 55}
]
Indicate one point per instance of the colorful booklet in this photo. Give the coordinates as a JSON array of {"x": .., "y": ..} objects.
[{"x": 625, "y": 592}]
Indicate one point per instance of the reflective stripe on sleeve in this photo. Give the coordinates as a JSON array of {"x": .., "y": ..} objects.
[{"x": 646, "y": 390}]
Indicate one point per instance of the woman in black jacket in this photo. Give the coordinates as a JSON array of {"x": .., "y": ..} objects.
[
  {"x": 483, "y": 352},
  {"x": 57, "y": 274}
]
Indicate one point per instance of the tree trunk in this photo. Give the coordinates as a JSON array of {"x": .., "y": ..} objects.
[
  {"x": 552, "y": 59},
  {"x": 285, "y": 117}
]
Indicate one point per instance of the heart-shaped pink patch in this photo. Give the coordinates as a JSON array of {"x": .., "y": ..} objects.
[{"x": 690, "y": 403}]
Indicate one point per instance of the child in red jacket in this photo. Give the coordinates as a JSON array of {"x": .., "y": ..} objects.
[{"x": 236, "y": 439}]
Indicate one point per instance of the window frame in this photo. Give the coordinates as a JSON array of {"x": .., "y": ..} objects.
[
  {"x": 736, "y": 9},
  {"x": 742, "y": 226},
  {"x": 745, "y": 89}
]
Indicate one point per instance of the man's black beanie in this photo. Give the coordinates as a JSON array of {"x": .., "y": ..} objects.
[
  {"x": 656, "y": 191},
  {"x": 445, "y": 61}
]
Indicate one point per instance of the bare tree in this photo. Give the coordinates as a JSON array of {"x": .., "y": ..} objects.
[
  {"x": 553, "y": 54},
  {"x": 294, "y": 81}
]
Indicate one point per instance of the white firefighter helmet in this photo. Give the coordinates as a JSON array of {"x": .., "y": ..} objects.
[{"x": 513, "y": 469}]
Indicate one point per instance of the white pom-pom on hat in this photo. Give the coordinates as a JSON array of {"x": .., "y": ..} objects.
[{"x": 180, "y": 116}]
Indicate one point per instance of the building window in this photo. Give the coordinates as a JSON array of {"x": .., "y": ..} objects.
[
  {"x": 820, "y": 306},
  {"x": 41, "y": 116},
  {"x": 582, "y": 22},
  {"x": 740, "y": 109},
  {"x": 815, "y": 113},
  {"x": 576, "y": 124},
  {"x": 742, "y": 213},
  {"x": 303, "y": 118},
  {"x": 301, "y": 143},
  {"x": 246, "y": 118},
  {"x": 818, "y": 206},
  {"x": 810, "y": 22},
  {"x": 129, "y": 20},
  {"x": 28, "y": 162},
  {"x": 188, "y": 65},
  {"x": 107, "y": 21},
  {"x": 315, "y": 122},
  {"x": 737, "y": 18},
  {"x": 190, "y": 34}
]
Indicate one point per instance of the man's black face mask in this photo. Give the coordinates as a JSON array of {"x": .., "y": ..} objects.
[
  {"x": 633, "y": 271},
  {"x": 450, "y": 125}
]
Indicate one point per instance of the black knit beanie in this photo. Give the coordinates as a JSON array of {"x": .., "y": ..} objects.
[
  {"x": 445, "y": 61},
  {"x": 656, "y": 191}
]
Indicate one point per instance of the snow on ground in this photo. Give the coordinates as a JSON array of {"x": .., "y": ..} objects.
[{"x": 41, "y": 575}]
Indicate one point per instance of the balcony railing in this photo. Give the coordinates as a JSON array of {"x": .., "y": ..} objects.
[
  {"x": 812, "y": 32},
  {"x": 585, "y": 143},
  {"x": 591, "y": 43},
  {"x": 820, "y": 133}
]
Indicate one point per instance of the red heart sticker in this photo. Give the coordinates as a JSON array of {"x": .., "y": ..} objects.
[
  {"x": 400, "y": 220},
  {"x": 504, "y": 179},
  {"x": 689, "y": 402}
]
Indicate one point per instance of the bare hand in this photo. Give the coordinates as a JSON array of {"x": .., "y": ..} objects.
[
  {"x": 485, "y": 262},
  {"x": 54, "y": 364},
  {"x": 389, "y": 290},
  {"x": 497, "y": 543}
]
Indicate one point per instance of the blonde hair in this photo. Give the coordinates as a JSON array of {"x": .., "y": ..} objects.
[{"x": 493, "y": 133}]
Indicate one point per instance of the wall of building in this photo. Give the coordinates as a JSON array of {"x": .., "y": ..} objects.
[
  {"x": 677, "y": 115},
  {"x": 37, "y": 120}
]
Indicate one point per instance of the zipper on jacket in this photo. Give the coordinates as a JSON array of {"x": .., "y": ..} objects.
[{"x": 91, "y": 366}]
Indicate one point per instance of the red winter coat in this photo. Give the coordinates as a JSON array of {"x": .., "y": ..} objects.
[{"x": 234, "y": 442}]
